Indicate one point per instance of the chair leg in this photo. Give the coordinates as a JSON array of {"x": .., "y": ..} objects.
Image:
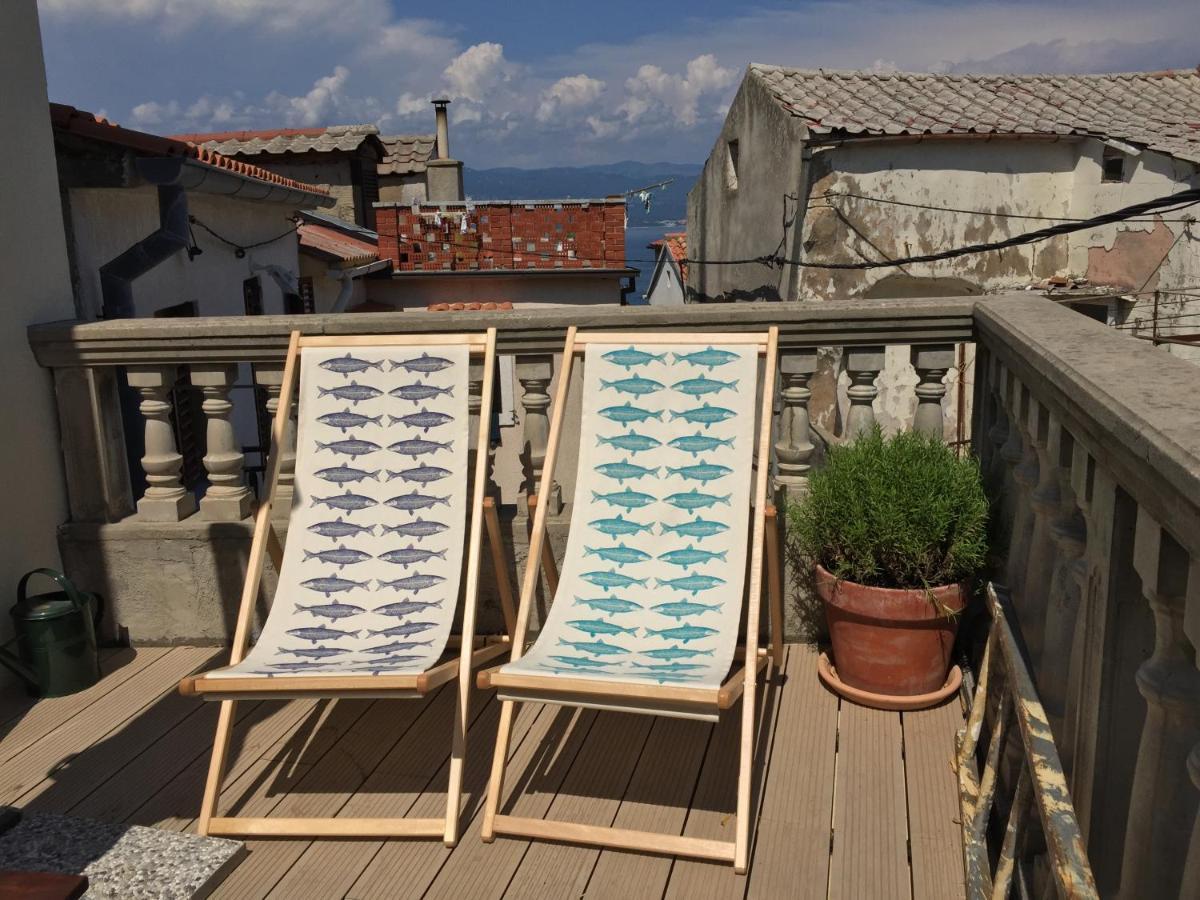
[
  {"x": 775, "y": 585},
  {"x": 499, "y": 565},
  {"x": 216, "y": 768},
  {"x": 496, "y": 781},
  {"x": 741, "y": 852}
]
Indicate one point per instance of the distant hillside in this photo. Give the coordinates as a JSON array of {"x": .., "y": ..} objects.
[{"x": 564, "y": 182}]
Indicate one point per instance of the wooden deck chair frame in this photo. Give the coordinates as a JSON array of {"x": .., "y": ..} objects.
[
  {"x": 569, "y": 692},
  {"x": 266, "y": 541}
]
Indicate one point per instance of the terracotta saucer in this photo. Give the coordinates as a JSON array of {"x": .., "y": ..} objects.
[{"x": 829, "y": 678}]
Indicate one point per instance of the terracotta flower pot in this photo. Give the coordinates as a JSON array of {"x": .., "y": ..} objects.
[{"x": 887, "y": 641}]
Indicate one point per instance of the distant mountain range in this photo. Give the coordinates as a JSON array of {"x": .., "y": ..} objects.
[{"x": 668, "y": 204}]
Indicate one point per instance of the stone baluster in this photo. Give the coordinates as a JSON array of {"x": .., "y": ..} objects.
[
  {"x": 535, "y": 374},
  {"x": 931, "y": 363},
  {"x": 794, "y": 448},
  {"x": 1034, "y": 592},
  {"x": 270, "y": 376},
  {"x": 1191, "y": 628},
  {"x": 166, "y": 499},
  {"x": 863, "y": 365},
  {"x": 1020, "y": 480},
  {"x": 227, "y": 498},
  {"x": 998, "y": 432},
  {"x": 1162, "y": 811}
]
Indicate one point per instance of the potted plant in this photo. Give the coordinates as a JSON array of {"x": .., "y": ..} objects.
[{"x": 895, "y": 529}]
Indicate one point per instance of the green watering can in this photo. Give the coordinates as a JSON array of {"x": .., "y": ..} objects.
[{"x": 56, "y": 635}]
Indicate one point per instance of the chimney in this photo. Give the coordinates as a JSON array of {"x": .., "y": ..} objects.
[{"x": 443, "y": 175}]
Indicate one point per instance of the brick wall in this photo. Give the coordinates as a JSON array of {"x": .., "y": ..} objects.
[{"x": 567, "y": 235}]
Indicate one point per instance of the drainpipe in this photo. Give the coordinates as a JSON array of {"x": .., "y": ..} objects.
[{"x": 118, "y": 274}]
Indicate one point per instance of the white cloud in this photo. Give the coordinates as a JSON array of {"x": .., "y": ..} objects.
[
  {"x": 152, "y": 113},
  {"x": 315, "y": 107},
  {"x": 569, "y": 93},
  {"x": 410, "y": 105},
  {"x": 477, "y": 71},
  {"x": 674, "y": 97}
]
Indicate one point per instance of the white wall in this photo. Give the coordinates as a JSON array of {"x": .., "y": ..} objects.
[
  {"x": 36, "y": 286},
  {"x": 666, "y": 289}
]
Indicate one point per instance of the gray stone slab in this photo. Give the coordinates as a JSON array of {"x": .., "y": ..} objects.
[{"x": 122, "y": 862}]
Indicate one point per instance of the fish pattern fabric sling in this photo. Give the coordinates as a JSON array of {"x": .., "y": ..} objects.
[
  {"x": 375, "y": 539},
  {"x": 652, "y": 583}
]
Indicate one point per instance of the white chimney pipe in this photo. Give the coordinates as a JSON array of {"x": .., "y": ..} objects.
[{"x": 443, "y": 128}]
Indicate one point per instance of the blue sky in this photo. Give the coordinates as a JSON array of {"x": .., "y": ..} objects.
[{"x": 539, "y": 83}]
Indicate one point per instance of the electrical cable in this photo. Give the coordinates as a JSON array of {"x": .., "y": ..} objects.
[
  {"x": 239, "y": 250},
  {"x": 974, "y": 212}
]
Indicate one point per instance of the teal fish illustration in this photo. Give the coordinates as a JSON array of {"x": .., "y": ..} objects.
[
  {"x": 626, "y": 499},
  {"x": 685, "y": 633},
  {"x": 697, "y": 528},
  {"x": 611, "y": 605},
  {"x": 596, "y": 648},
  {"x": 703, "y": 415},
  {"x": 612, "y": 579},
  {"x": 628, "y": 414},
  {"x": 709, "y": 358},
  {"x": 622, "y": 471},
  {"x": 670, "y": 653},
  {"x": 696, "y": 444},
  {"x": 690, "y": 556},
  {"x": 630, "y": 357},
  {"x": 619, "y": 526},
  {"x": 699, "y": 386},
  {"x": 635, "y": 385},
  {"x": 633, "y": 442},
  {"x": 670, "y": 667},
  {"x": 584, "y": 662},
  {"x": 684, "y": 608},
  {"x": 701, "y": 472},
  {"x": 693, "y": 499},
  {"x": 599, "y": 626},
  {"x": 692, "y": 584},
  {"x": 619, "y": 554}
]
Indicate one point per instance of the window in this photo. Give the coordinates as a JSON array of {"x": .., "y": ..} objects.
[
  {"x": 731, "y": 165},
  {"x": 1112, "y": 165},
  {"x": 252, "y": 296}
]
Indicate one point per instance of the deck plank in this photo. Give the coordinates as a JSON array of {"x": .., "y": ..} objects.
[
  {"x": 933, "y": 811},
  {"x": 870, "y": 831},
  {"x": 792, "y": 854}
]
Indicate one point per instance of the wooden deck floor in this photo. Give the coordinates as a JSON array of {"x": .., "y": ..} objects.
[{"x": 852, "y": 803}]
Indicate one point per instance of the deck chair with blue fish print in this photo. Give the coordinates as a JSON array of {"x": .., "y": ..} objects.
[
  {"x": 372, "y": 574},
  {"x": 664, "y": 559}
]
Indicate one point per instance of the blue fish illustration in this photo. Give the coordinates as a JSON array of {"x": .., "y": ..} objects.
[
  {"x": 423, "y": 419},
  {"x": 625, "y": 470},
  {"x": 419, "y": 474},
  {"x": 346, "y": 420},
  {"x": 415, "y": 583},
  {"x": 697, "y": 387},
  {"x": 392, "y": 648},
  {"x": 331, "y": 611},
  {"x": 670, "y": 667},
  {"x": 685, "y": 633},
  {"x": 702, "y": 472},
  {"x": 692, "y": 584},
  {"x": 628, "y": 414},
  {"x": 418, "y": 446},
  {"x": 345, "y": 474},
  {"x": 407, "y": 628},
  {"x": 415, "y": 501},
  {"x": 340, "y": 556},
  {"x": 596, "y": 648},
  {"x": 619, "y": 526},
  {"x": 703, "y": 415},
  {"x": 626, "y": 499},
  {"x": 635, "y": 385},
  {"x": 633, "y": 442},
  {"x": 404, "y": 645},
  {"x": 353, "y": 448},
  {"x": 316, "y": 652},
  {"x": 690, "y": 556},
  {"x": 612, "y": 579},
  {"x": 594, "y": 627},
  {"x": 354, "y": 392},
  {"x": 684, "y": 608},
  {"x": 423, "y": 363},
  {"x": 417, "y": 392},
  {"x": 321, "y": 634},
  {"x": 709, "y": 357},
  {"x": 693, "y": 499},
  {"x": 345, "y": 365},
  {"x": 669, "y": 653},
  {"x": 418, "y": 528},
  {"x": 310, "y": 665},
  {"x": 630, "y": 357},
  {"x": 583, "y": 662},
  {"x": 696, "y": 444},
  {"x": 339, "y": 528},
  {"x": 697, "y": 528},
  {"x": 609, "y": 604},
  {"x": 619, "y": 554},
  {"x": 405, "y": 608},
  {"x": 331, "y": 584},
  {"x": 347, "y": 501},
  {"x": 408, "y": 555}
]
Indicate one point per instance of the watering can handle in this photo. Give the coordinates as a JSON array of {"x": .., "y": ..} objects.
[{"x": 60, "y": 579}]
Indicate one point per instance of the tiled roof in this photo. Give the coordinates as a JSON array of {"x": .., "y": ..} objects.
[
  {"x": 335, "y": 244},
  {"x": 88, "y": 125},
  {"x": 406, "y": 154},
  {"x": 284, "y": 140},
  {"x": 1159, "y": 110},
  {"x": 676, "y": 244}
]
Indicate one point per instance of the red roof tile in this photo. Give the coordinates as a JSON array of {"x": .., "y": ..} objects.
[
  {"x": 331, "y": 242},
  {"x": 676, "y": 244}
]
